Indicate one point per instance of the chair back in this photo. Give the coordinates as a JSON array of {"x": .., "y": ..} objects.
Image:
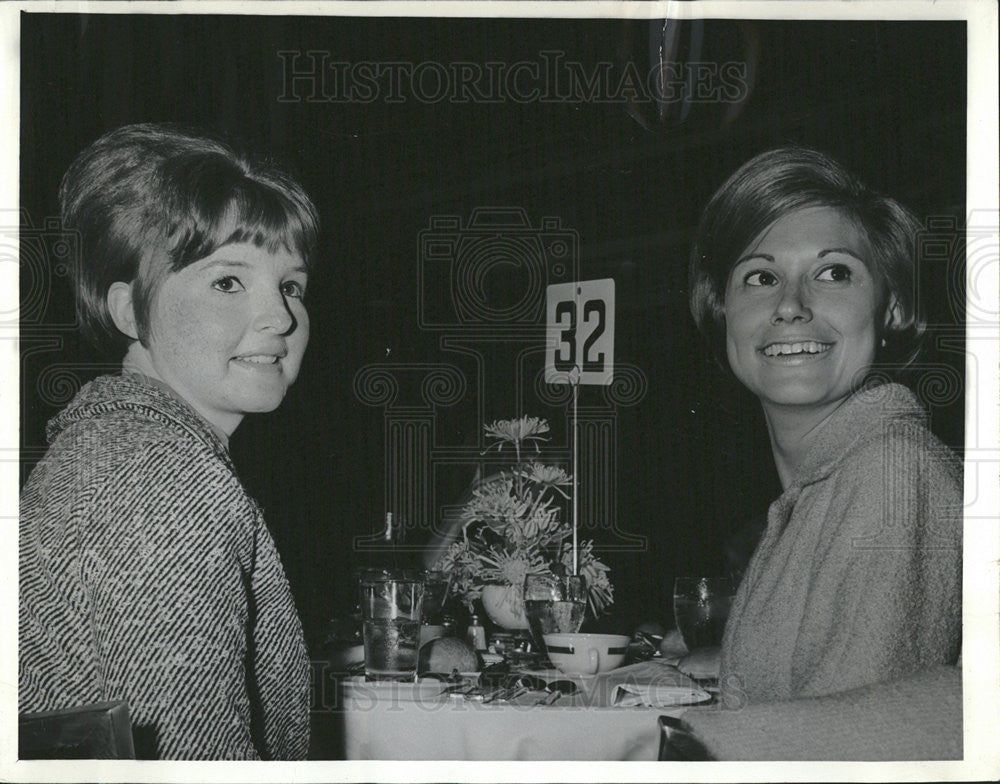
[
  {"x": 99, "y": 731},
  {"x": 678, "y": 744}
]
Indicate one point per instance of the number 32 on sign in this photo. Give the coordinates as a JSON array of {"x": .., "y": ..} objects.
[{"x": 580, "y": 332}]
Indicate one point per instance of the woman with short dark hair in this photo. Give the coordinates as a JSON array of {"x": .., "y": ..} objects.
[
  {"x": 147, "y": 574},
  {"x": 802, "y": 281}
]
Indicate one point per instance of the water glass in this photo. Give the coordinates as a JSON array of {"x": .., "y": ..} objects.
[
  {"x": 701, "y": 608},
  {"x": 391, "y": 613},
  {"x": 436, "y": 586},
  {"x": 554, "y": 604}
]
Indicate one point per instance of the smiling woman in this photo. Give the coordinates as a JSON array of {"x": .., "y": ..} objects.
[
  {"x": 147, "y": 573},
  {"x": 229, "y": 331},
  {"x": 801, "y": 310},
  {"x": 801, "y": 278}
]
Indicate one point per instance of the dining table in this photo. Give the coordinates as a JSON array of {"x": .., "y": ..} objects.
[{"x": 611, "y": 716}]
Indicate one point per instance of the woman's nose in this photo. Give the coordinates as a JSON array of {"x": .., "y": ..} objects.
[
  {"x": 274, "y": 316},
  {"x": 792, "y": 305}
]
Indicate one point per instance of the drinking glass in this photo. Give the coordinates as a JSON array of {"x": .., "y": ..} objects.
[
  {"x": 391, "y": 612},
  {"x": 701, "y": 607},
  {"x": 554, "y": 604},
  {"x": 436, "y": 586}
]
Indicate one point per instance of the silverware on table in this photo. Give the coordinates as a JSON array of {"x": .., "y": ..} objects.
[
  {"x": 549, "y": 698},
  {"x": 505, "y": 694},
  {"x": 514, "y": 685}
]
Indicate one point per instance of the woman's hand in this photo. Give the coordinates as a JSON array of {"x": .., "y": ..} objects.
[
  {"x": 701, "y": 663},
  {"x": 672, "y": 647}
]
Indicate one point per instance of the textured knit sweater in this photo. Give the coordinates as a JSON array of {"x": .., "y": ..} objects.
[
  {"x": 917, "y": 717},
  {"x": 857, "y": 578},
  {"x": 147, "y": 574}
]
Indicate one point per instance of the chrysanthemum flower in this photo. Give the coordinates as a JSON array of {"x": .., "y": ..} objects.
[
  {"x": 514, "y": 525},
  {"x": 517, "y": 431}
]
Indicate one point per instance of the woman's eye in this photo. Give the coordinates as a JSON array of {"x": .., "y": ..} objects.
[
  {"x": 292, "y": 288},
  {"x": 837, "y": 273},
  {"x": 228, "y": 284},
  {"x": 760, "y": 278}
]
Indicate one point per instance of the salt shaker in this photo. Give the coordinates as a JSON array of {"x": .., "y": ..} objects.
[{"x": 476, "y": 634}]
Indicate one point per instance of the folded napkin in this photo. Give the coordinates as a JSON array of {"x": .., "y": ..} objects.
[{"x": 652, "y": 683}]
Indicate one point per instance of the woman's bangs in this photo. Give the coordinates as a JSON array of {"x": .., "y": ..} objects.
[{"x": 252, "y": 213}]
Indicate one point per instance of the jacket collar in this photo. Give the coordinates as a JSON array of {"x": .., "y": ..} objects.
[{"x": 134, "y": 391}]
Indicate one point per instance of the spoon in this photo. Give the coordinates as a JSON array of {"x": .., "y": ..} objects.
[{"x": 557, "y": 689}]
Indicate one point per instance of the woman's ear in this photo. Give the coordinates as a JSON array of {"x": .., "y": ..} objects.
[{"x": 121, "y": 310}]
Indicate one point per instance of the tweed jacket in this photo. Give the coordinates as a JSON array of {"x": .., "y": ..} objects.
[
  {"x": 857, "y": 578},
  {"x": 147, "y": 574}
]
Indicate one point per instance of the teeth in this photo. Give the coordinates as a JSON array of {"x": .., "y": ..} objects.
[
  {"x": 807, "y": 347},
  {"x": 260, "y": 359}
]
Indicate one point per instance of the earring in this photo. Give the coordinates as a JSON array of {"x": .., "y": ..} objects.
[{"x": 883, "y": 342}]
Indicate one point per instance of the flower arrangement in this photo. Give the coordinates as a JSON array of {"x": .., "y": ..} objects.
[{"x": 512, "y": 525}]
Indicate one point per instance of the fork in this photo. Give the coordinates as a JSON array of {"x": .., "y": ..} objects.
[{"x": 549, "y": 698}]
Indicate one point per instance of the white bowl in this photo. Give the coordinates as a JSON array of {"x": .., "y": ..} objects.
[{"x": 586, "y": 654}]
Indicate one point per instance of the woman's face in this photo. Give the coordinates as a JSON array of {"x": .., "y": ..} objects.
[
  {"x": 228, "y": 332},
  {"x": 801, "y": 310}
]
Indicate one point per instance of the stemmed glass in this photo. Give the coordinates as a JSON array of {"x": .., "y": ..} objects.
[
  {"x": 701, "y": 607},
  {"x": 554, "y": 604}
]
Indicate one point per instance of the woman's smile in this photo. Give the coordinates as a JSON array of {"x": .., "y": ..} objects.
[
  {"x": 262, "y": 363},
  {"x": 800, "y": 349}
]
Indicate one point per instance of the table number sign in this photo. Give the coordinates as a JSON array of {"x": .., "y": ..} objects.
[
  {"x": 580, "y": 332},
  {"x": 579, "y": 349}
]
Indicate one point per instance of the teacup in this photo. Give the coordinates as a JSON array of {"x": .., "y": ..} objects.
[{"x": 586, "y": 654}]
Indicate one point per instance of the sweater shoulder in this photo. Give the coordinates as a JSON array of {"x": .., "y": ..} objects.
[
  {"x": 899, "y": 485},
  {"x": 120, "y": 438},
  {"x": 126, "y": 463},
  {"x": 904, "y": 448},
  {"x": 128, "y": 426}
]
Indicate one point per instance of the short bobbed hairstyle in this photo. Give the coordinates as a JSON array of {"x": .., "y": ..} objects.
[
  {"x": 776, "y": 183},
  {"x": 148, "y": 200}
]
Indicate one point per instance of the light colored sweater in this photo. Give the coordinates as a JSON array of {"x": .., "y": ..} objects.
[
  {"x": 917, "y": 717},
  {"x": 147, "y": 574},
  {"x": 857, "y": 578}
]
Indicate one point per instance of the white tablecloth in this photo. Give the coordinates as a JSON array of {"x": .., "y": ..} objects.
[
  {"x": 382, "y": 724},
  {"x": 459, "y": 730}
]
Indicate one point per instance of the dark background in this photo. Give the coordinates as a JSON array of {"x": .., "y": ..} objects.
[{"x": 691, "y": 456}]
